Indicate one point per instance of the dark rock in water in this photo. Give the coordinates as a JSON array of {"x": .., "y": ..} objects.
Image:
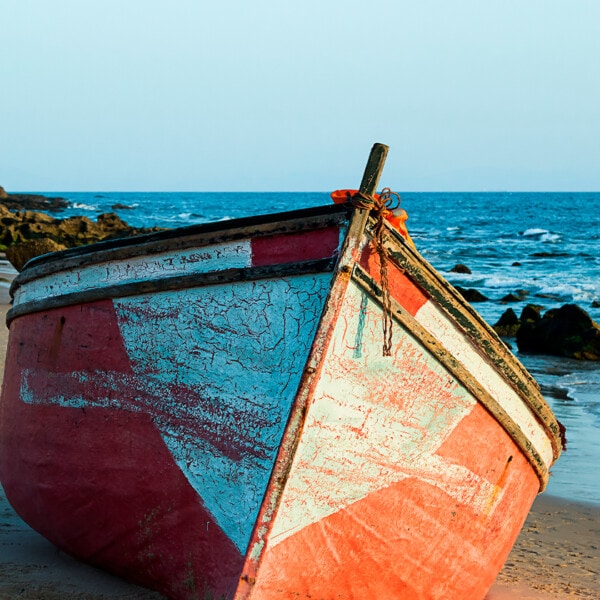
[
  {"x": 119, "y": 206},
  {"x": 508, "y": 324},
  {"x": 567, "y": 331},
  {"x": 550, "y": 254},
  {"x": 554, "y": 297},
  {"x": 596, "y": 304},
  {"x": 471, "y": 295},
  {"x": 517, "y": 264},
  {"x": 531, "y": 312},
  {"x": 19, "y": 229},
  {"x": 516, "y": 296},
  {"x": 32, "y": 202},
  {"x": 510, "y": 298},
  {"x": 460, "y": 269}
]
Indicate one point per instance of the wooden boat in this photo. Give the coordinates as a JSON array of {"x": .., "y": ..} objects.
[{"x": 279, "y": 407}]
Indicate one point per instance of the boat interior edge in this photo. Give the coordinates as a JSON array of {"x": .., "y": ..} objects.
[
  {"x": 172, "y": 283},
  {"x": 184, "y": 237}
]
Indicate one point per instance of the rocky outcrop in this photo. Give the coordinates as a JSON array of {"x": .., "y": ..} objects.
[
  {"x": 508, "y": 324},
  {"x": 32, "y": 202},
  {"x": 18, "y": 255},
  {"x": 471, "y": 294},
  {"x": 26, "y": 234},
  {"x": 531, "y": 313},
  {"x": 516, "y": 296},
  {"x": 460, "y": 268},
  {"x": 566, "y": 331}
]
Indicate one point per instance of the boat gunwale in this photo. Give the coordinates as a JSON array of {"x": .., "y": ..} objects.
[
  {"x": 484, "y": 338},
  {"x": 181, "y": 238},
  {"x": 407, "y": 259},
  {"x": 458, "y": 371}
]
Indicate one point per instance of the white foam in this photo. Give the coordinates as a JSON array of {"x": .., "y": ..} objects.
[
  {"x": 582, "y": 386},
  {"x": 82, "y": 206},
  {"x": 534, "y": 231},
  {"x": 499, "y": 281},
  {"x": 550, "y": 237}
]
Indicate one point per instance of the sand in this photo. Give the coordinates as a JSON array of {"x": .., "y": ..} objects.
[{"x": 556, "y": 556}]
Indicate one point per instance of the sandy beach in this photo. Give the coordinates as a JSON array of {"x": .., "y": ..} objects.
[{"x": 555, "y": 557}]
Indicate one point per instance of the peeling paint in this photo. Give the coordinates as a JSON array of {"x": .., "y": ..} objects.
[
  {"x": 217, "y": 385},
  {"x": 139, "y": 268},
  {"x": 369, "y": 427}
]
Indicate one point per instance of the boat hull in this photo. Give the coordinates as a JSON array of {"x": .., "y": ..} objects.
[
  {"x": 101, "y": 484},
  {"x": 213, "y": 413}
]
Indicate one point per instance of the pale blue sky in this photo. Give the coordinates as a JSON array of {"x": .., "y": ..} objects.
[{"x": 276, "y": 95}]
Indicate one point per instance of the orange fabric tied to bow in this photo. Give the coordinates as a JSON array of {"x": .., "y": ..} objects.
[{"x": 396, "y": 218}]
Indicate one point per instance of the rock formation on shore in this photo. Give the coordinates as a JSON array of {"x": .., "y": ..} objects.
[
  {"x": 26, "y": 234},
  {"x": 567, "y": 331},
  {"x": 32, "y": 202},
  {"x": 460, "y": 268}
]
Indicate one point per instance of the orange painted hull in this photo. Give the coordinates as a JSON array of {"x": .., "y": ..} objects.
[{"x": 409, "y": 540}]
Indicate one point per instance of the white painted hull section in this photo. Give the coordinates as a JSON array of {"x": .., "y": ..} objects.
[
  {"x": 190, "y": 261},
  {"x": 436, "y": 322}
]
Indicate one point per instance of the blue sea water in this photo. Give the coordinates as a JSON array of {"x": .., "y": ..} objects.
[{"x": 545, "y": 244}]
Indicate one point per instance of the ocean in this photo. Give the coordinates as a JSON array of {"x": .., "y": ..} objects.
[{"x": 546, "y": 246}]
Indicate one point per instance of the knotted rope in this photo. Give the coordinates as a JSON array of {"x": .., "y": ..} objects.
[{"x": 381, "y": 206}]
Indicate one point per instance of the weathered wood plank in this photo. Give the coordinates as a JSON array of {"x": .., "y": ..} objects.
[{"x": 373, "y": 170}]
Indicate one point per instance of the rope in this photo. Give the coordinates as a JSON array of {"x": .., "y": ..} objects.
[{"x": 381, "y": 206}]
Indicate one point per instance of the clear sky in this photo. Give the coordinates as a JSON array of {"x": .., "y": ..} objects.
[{"x": 253, "y": 95}]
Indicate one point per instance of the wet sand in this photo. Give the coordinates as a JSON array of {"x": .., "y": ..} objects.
[{"x": 555, "y": 558}]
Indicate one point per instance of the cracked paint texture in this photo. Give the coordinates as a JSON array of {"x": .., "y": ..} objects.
[
  {"x": 217, "y": 383},
  {"x": 138, "y": 268},
  {"x": 397, "y": 466},
  {"x": 375, "y": 421}
]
